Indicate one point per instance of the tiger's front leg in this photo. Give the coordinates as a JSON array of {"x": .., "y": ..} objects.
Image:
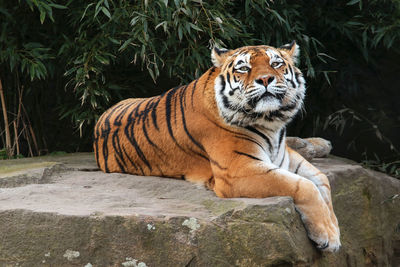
[
  {"x": 256, "y": 179},
  {"x": 302, "y": 167}
]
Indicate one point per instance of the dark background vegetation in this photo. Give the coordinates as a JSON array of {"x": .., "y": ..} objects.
[{"x": 62, "y": 63}]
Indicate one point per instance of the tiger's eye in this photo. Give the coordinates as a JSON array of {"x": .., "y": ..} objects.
[
  {"x": 275, "y": 64},
  {"x": 244, "y": 68}
]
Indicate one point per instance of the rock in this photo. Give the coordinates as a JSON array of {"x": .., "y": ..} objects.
[{"x": 61, "y": 211}]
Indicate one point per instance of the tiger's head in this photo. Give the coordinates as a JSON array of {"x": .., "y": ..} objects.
[{"x": 258, "y": 85}]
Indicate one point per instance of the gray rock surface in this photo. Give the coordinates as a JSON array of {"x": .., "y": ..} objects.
[{"x": 62, "y": 211}]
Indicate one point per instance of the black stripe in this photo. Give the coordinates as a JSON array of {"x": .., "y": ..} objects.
[
  {"x": 222, "y": 84},
  {"x": 296, "y": 76},
  {"x": 153, "y": 112},
  {"x": 250, "y": 140},
  {"x": 275, "y": 114},
  {"x": 254, "y": 130},
  {"x": 288, "y": 107},
  {"x": 96, "y": 143},
  {"x": 121, "y": 113},
  {"x": 298, "y": 166},
  {"x": 105, "y": 152},
  {"x": 147, "y": 136},
  {"x": 227, "y": 104},
  {"x": 247, "y": 155},
  {"x": 228, "y": 130},
  {"x": 133, "y": 141},
  {"x": 211, "y": 71},
  {"x": 136, "y": 110},
  {"x": 129, "y": 133},
  {"x": 175, "y": 102},
  {"x": 130, "y": 160},
  {"x": 169, "y": 126},
  {"x": 235, "y": 78},
  {"x": 228, "y": 78},
  {"x": 185, "y": 126},
  {"x": 283, "y": 159},
  {"x": 170, "y": 93},
  {"x": 183, "y": 95},
  {"x": 217, "y": 164},
  {"x": 146, "y": 110},
  {"x": 117, "y": 148},
  {"x": 193, "y": 89},
  {"x": 291, "y": 81},
  {"x": 104, "y": 134},
  {"x": 282, "y": 133},
  {"x": 120, "y": 164}
]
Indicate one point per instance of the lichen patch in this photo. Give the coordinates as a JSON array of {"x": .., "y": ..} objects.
[
  {"x": 71, "y": 255},
  {"x": 192, "y": 224},
  {"x": 150, "y": 227},
  {"x": 130, "y": 262}
]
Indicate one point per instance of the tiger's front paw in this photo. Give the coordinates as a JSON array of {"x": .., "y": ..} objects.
[
  {"x": 327, "y": 238},
  {"x": 324, "y": 232}
]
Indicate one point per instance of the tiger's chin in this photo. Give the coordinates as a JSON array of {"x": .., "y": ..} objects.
[{"x": 267, "y": 104}]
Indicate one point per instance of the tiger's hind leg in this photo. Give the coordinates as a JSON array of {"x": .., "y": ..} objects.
[{"x": 310, "y": 148}]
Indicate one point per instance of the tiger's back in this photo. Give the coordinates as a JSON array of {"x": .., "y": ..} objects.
[{"x": 154, "y": 136}]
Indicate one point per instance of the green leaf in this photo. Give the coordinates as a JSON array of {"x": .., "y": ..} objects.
[
  {"x": 277, "y": 15},
  {"x": 98, "y": 8},
  {"x": 102, "y": 60},
  {"x": 195, "y": 27},
  {"x": 180, "y": 32},
  {"x": 57, "y": 6},
  {"x": 42, "y": 16},
  {"x": 114, "y": 41},
  {"x": 352, "y": 2},
  {"x": 106, "y": 4},
  {"x": 355, "y": 23},
  {"x": 106, "y": 12},
  {"x": 134, "y": 20},
  {"x": 32, "y": 72},
  {"x": 177, "y": 3},
  {"x": 84, "y": 12},
  {"x": 125, "y": 44}
]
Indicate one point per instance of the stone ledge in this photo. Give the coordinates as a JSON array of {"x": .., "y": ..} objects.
[{"x": 76, "y": 215}]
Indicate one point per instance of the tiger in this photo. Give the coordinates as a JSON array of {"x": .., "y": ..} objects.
[{"x": 226, "y": 130}]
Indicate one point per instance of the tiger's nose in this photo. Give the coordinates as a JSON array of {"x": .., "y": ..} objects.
[{"x": 265, "y": 80}]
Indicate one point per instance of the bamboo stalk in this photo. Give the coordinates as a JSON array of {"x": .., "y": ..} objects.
[
  {"x": 20, "y": 92},
  {"x": 27, "y": 138},
  {"x": 34, "y": 139},
  {"x": 8, "y": 138},
  {"x": 33, "y": 136},
  {"x": 16, "y": 136}
]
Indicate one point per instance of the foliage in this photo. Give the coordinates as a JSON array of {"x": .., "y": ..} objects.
[
  {"x": 391, "y": 168},
  {"x": 68, "y": 61}
]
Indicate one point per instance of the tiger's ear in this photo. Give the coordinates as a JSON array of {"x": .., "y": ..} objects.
[
  {"x": 293, "y": 50},
  {"x": 219, "y": 55}
]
